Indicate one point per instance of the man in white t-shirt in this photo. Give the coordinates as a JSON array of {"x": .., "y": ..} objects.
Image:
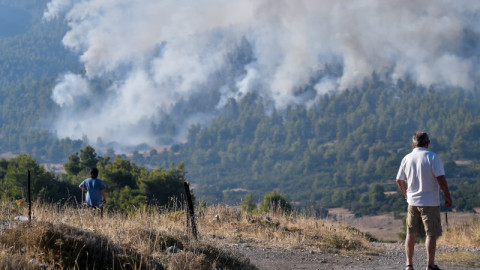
[{"x": 420, "y": 177}]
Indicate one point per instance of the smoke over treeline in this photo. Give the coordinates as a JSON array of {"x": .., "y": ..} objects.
[{"x": 148, "y": 63}]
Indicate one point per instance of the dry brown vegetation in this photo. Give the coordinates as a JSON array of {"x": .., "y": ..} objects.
[
  {"x": 465, "y": 234},
  {"x": 280, "y": 230},
  {"x": 462, "y": 234},
  {"x": 459, "y": 258},
  {"x": 64, "y": 237}
]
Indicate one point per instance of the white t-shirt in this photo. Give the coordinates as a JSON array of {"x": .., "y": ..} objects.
[{"x": 420, "y": 169}]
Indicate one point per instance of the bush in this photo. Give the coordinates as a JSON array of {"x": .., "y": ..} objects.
[
  {"x": 275, "y": 202},
  {"x": 248, "y": 205}
]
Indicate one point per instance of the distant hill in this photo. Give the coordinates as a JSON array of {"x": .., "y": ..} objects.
[
  {"x": 13, "y": 21},
  {"x": 31, "y": 59}
]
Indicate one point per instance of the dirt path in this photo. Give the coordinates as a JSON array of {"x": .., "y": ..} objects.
[
  {"x": 389, "y": 256},
  {"x": 386, "y": 256}
]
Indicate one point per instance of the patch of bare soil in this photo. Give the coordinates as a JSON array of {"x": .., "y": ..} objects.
[{"x": 386, "y": 226}]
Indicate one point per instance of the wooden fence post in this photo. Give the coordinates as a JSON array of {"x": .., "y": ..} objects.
[{"x": 191, "y": 225}]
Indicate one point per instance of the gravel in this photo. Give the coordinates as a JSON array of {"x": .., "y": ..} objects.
[{"x": 388, "y": 256}]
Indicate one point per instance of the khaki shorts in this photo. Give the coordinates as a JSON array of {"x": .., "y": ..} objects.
[{"x": 428, "y": 215}]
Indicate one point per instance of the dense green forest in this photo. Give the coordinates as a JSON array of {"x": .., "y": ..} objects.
[
  {"x": 31, "y": 59},
  {"x": 344, "y": 150}
]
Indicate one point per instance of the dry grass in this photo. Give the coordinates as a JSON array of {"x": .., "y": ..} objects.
[
  {"x": 188, "y": 260},
  {"x": 15, "y": 262},
  {"x": 467, "y": 259},
  {"x": 280, "y": 230},
  {"x": 466, "y": 234},
  {"x": 77, "y": 238}
]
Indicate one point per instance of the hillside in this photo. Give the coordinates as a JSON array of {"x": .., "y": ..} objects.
[
  {"x": 31, "y": 59},
  {"x": 321, "y": 149},
  {"x": 343, "y": 151}
]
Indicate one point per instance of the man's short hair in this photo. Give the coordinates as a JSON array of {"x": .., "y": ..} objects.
[
  {"x": 420, "y": 139},
  {"x": 94, "y": 172}
]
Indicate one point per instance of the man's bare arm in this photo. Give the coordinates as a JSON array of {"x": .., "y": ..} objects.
[
  {"x": 402, "y": 185},
  {"x": 104, "y": 195},
  {"x": 442, "y": 181}
]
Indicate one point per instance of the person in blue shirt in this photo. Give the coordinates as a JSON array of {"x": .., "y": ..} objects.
[{"x": 95, "y": 189}]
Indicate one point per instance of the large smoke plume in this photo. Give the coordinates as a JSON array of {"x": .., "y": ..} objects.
[{"x": 143, "y": 57}]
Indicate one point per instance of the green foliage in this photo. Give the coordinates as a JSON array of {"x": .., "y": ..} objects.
[
  {"x": 344, "y": 150},
  {"x": 275, "y": 202},
  {"x": 248, "y": 205},
  {"x": 128, "y": 186},
  {"x": 127, "y": 199},
  {"x": 73, "y": 165},
  {"x": 164, "y": 187},
  {"x": 121, "y": 173},
  {"x": 88, "y": 157},
  {"x": 44, "y": 185}
]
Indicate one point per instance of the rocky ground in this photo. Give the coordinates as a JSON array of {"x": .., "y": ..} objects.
[{"x": 386, "y": 256}]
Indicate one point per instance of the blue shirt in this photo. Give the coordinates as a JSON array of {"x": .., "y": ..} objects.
[{"x": 94, "y": 187}]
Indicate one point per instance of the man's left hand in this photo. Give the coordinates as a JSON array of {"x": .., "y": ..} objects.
[{"x": 448, "y": 202}]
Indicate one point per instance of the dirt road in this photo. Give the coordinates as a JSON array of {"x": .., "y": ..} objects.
[{"x": 388, "y": 256}]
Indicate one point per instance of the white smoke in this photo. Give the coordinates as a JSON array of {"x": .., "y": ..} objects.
[
  {"x": 156, "y": 53},
  {"x": 69, "y": 88},
  {"x": 55, "y": 7}
]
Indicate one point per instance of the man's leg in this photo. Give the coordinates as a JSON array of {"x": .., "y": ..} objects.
[
  {"x": 433, "y": 229},
  {"x": 414, "y": 224},
  {"x": 410, "y": 247},
  {"x": 431, "y": 245}
]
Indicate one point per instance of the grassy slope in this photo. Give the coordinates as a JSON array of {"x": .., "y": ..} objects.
[
  {"x": 72, "y": 237},
  {"x": 77, "y": 238}
]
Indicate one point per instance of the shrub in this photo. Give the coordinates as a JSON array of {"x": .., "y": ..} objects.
[{"x": 275, "y": 202}]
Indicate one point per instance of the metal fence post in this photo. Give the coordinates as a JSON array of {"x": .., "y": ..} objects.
[
  {"x": 190, "y": 212},
  {"x": 29, "y": 193}
]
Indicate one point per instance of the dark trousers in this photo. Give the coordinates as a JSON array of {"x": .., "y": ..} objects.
[{"x": 96, "y": 208}]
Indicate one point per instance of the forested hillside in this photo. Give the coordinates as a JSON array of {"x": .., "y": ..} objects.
[
  {"x": 343, "y": 151},
  {"x": 31, "y": 59}
]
